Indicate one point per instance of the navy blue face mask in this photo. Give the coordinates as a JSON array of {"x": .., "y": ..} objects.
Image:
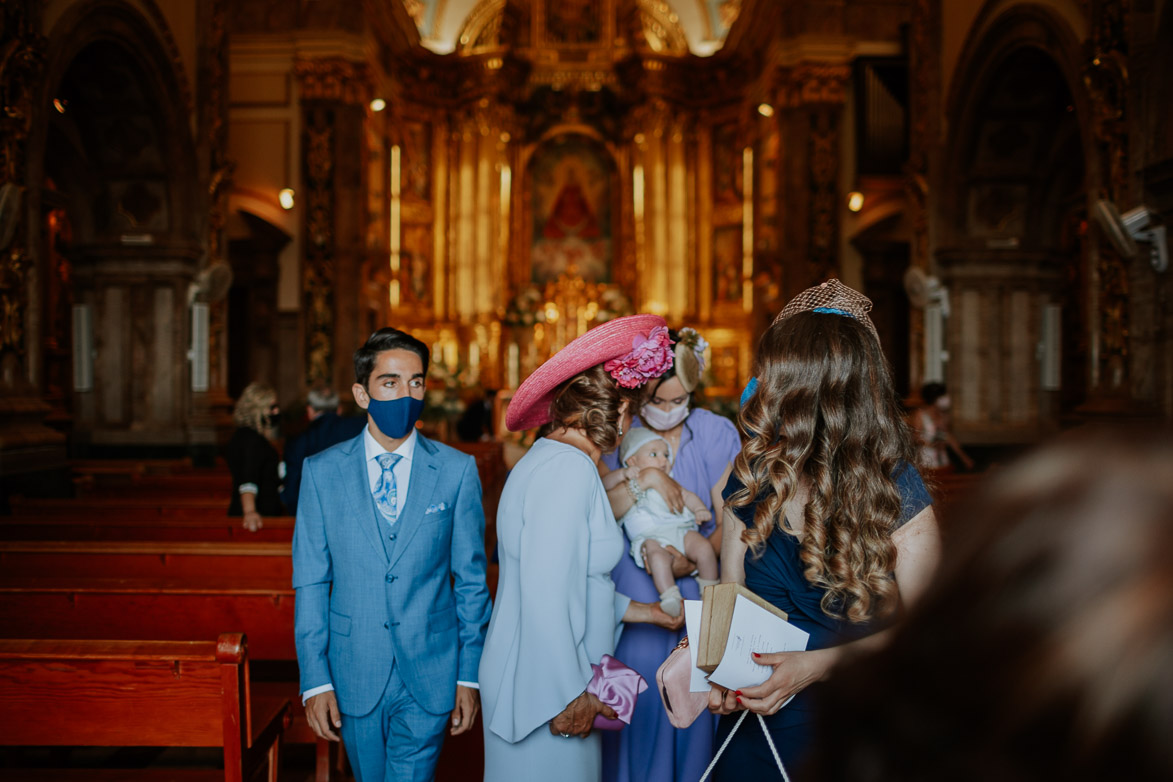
[
  {"x": 395, "y": 417},
  {"x": 750, "y": 389}
]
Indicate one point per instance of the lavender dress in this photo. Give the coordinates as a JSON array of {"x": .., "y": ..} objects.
[{"x": 650, "y": 749}]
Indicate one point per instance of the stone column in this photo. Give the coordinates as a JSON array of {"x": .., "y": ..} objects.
[
  {"x": 334, "y": 95},
  {"x": 924, "y": 154},
  {"x": 811, "y": 97},
  {"x": 30, "y": 453},
  {"x": 211, "y": 419}
]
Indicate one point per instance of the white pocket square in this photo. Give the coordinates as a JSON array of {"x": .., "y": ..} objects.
[{"x": 436, "y": 508}]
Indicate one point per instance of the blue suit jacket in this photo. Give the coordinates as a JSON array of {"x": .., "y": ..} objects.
[{"x": 425, "y": 606}]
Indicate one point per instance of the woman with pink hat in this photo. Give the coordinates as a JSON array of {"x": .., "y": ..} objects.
[{"x": 557, "y": 611}]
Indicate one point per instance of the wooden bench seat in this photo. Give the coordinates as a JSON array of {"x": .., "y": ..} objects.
[
  {"x": 140, "y": 694},
  {"x": 64, "y": 606},
  {"x": 168, "y": 506},
  {"x": 162, "y": 559},
  {"x": 70, "y": 606},
  {"x": 130, "y": 525}
]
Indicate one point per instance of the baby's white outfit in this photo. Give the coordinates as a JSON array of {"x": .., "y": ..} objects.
[{"x": 652, "y": 519}]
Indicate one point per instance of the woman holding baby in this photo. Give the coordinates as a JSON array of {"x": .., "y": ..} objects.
[
  {"x": 557, "y": 610},
  {"x": 701, "y": 447}
]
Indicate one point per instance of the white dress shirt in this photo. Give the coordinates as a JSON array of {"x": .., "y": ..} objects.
[{"x": 402, "y": 473}]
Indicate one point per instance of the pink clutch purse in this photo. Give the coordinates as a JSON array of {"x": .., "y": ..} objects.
[
  {"x": 617, "y": 686},
  {"x": 673, "y": 677}
]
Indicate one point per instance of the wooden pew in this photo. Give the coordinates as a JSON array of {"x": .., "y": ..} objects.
[
  {"x": 138, "y": 693},
  {"x": 214, "y": 526},
  {"x": 164, "y": 507},
  {"x": 65, "y": 605},
  {"x": 160, "y": 559}
]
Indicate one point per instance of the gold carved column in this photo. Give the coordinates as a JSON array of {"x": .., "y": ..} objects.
[
  {"x": 811, "y": 96},
  {"x": 27, "y": 446},
  {"x": 210, "y": 418},
  {"x": 1106, "y": 78},
  {"x": 334, "y": 95},
  {"x": 923, "y": 169}
]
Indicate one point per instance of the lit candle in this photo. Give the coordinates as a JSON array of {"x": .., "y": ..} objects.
[
  {"x": 451, "y": 355},
  {"x": 513, "y": 365}
]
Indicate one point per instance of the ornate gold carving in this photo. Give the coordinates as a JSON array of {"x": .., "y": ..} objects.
[
  {"x": 1106, "y": 78},
  {"x": 318, "y": 271},
  {"x": 824, "y": 143},
  {"x": 661, "y": 27},
  {"x": 924, "y": 67},
  {"x": 483, "y": 26},
  {"x": 21, "y": 69},
  {"x": 809, "y": 83},
  {"x": 334, "y": 79}
]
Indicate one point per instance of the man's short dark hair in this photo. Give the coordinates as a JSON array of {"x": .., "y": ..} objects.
[{"x": 385, "y": 338}]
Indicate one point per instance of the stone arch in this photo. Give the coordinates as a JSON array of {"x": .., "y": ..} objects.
[
  {"x": 116, "y": 27},
  {"x": 1018, "y": 174},
  {"x": 113, "y": 134}
]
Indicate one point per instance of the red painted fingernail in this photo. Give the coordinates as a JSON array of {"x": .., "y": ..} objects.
[
  {"x": 755, "y": 654},
  {"x": 739, "y": 701}
]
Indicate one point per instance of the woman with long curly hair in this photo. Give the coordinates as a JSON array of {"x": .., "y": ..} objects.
[{"x": 826, "y": 516}]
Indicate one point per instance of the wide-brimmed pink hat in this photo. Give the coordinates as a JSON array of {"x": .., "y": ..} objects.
[{"x": 634, "y": 348}]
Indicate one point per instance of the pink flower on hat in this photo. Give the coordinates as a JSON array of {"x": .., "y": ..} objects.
[{"x": 649, "y": 357}]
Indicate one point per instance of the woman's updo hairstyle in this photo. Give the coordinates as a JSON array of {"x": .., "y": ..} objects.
[{"x": 590, "y": 401}]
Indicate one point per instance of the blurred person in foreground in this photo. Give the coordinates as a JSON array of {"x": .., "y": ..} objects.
[
  {"x": 253, "y": 459},
  {"x": 327, "y": 426},
  {"x": 1044, "y": 649}
]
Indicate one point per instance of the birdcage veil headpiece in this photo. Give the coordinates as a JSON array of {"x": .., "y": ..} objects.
[{"x": 833, "y": 298}]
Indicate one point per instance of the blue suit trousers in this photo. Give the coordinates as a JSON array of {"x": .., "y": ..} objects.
[{"x": 397, "y": 741}]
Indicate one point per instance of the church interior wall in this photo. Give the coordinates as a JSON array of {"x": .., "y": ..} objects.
[{"x": 722, "y": 163}]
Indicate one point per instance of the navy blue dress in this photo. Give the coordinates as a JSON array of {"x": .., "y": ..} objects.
[{"x": 778, "y": 577}]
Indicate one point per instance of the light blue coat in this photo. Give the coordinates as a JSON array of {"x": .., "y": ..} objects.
[
  {"x": 557, "y": 612},
  {"x": 364, "y": 601}
]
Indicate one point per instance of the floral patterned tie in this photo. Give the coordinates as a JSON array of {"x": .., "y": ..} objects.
[{"x": 385, "y": 495}]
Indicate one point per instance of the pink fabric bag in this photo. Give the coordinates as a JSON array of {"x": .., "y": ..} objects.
[
  {"x": 673, "y": 678},
  {"x": 617, "y": 686}
]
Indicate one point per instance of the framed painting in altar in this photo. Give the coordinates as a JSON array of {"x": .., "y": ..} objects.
[{"x": 571, "y": 181}]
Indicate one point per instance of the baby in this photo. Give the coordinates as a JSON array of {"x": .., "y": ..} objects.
[{"x": 652, "y": 526}]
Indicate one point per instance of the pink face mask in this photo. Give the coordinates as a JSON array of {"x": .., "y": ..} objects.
[{"x": 663, "y": 420}]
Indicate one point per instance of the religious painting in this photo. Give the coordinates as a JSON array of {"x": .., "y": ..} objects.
[
  {"x": 727, "y": 168},
  {"x": 417, "y": 160},
  {"x": 570, "y": 197},
  {"x": 574, "y": 21},
  {"x": 727, "y": 263},
  {"x": 415, "y": 263}
]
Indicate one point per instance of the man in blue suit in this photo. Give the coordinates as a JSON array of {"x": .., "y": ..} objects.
[{"x": 389, "y": 570}]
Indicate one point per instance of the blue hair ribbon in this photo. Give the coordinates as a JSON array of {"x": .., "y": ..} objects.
[{"x": 833, "y": 311}]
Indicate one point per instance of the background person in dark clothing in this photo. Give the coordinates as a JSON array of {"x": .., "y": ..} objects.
[
  {"x": 327, "y": 427},
  {"x": 252, "y": 459}
]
